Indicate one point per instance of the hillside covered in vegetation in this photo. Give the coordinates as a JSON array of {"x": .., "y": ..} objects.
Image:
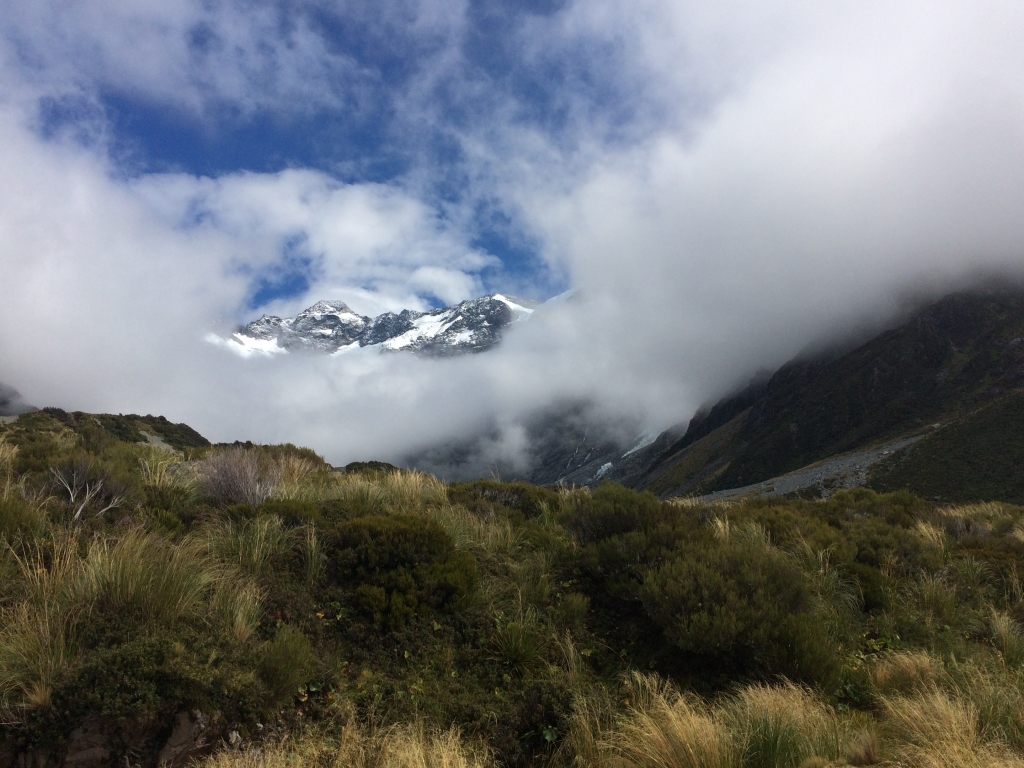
[
  {"x": 253, "y": 606},
  {"x": 957, "y": 362}
]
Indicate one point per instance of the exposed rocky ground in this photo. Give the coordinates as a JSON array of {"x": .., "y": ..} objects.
[{"x": 851, "y": 470}]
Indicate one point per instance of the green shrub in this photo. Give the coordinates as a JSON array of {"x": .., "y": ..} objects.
[
  {"x": 334, "y": 511},
  {"x": 19, "y": 520},
  {"x": 572, "y": 611},
  {"x": 529, "y": 500},
  {"x": 292, "y": 512},
  {"x": 287, "y": 663},
  {"x": 740, "y": 607},
  {"x": 872, "y": 586},
  {"x": 131, "y": 683},
  {"x": 411, "y": 559},
  {"x": 169, "y": 497},
  {"x": 612, "y": 510}
]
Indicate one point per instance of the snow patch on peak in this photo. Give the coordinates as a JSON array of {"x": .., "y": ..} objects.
[
  {"x": 332, "y": 327},
  {"x": 247, "y": 346},
  {"x": 645, "y": 439},
  {"x": 514, "y": 304},
  {"x": 337, "y": 308}
]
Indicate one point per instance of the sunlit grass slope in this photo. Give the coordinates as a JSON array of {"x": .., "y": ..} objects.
[{"x": 384, "y": 618}]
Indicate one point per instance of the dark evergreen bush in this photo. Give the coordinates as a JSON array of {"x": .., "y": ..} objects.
[
  {"x": 739, "y": 608},
  {"x": 529, "y": 500},
  {"x": 612, "y": 510},
  {"x": 292, "y": 512},
  {"x": 398, "y": 565}
]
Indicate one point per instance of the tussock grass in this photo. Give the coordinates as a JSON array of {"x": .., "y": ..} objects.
[
  {"x": 8, "y": 454},
  {"x": 932, "y": 726},
  {"x": 250, "y": 545},
  {"x": 959, "y": 715},
  {"x": 932, "y": 536},
  {"x": 393, "y": 493},
  {"x": 492, "y": 536},
  {"x": 141, "y": 574},
  {"x": 784, "y": 725},
  {"x": 409, "y": 492},
  {"x": 287, "y": 662},
  {"x": 998, "y": 697},
  {"x": 314, "y": 554},
  {"x": 937, "y": 597},
  {"x": 699, "y": 502},
  {"x": 50, "y": 573},
  {"x": 238, "y": 602},
  {"x": 37, "y": 631},
  {"x": 905, "y": 672},
  {"x": 396, "y": 493},
  {"x": 35, "y": 648},
  {"x": 164, "y": 468},
  {"x": 518, "y": 643},
  {"x": 758, "y": 726},
  {"x": 667, "y": 729},
  {"x": 1008, "y": 637},
  {"x": 413, "y": 746},
  {"x": 359, "y": 494}
]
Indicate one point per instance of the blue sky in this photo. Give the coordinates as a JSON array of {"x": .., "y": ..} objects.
[
  {"x": 392, "y": 100},
  {"x": 720, "y": 184}
]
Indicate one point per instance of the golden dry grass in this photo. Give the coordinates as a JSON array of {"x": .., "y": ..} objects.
[
  {"x": 403, "y": 747},
  {"x": 667, "y": 729},
  {"x": 905, "y": 672},
  {"x": 758, "y": 726},
  {"x": 934, "y": 729},
  {"x": 8, "y": 453},
  {"x": 931, "y": 535}
]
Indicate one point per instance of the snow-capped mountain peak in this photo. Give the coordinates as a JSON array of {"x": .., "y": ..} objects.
[{"x": 332, "y": 327}]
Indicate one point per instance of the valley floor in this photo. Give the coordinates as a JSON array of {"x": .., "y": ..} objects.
[{"x": 848, "y": 470}]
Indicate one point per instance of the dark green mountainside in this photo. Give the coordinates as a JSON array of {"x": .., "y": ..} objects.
[
  {"x": 953, "y": 358},
  {"x": 132, "y": 428}
]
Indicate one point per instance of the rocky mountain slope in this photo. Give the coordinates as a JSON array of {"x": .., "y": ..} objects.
[
  {"x": 11, "y": 403},
  {"x": 331, "y": 327}
]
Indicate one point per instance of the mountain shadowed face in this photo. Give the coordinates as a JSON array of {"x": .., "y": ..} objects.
[
  {"x": 695, "y": 193},
  {"x": 11, "y": 403}
]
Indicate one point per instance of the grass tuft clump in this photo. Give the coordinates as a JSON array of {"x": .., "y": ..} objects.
[{"x": 142, "y": 575}]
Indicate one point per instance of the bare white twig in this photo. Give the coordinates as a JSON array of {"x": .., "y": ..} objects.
[
  {"x": 91, "y": 492},
  {"x": 72, "y": 478},
  {"x": 115, "y": 502}
]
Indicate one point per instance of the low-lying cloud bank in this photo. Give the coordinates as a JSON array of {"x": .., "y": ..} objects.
[{"x": 832, "y": 168}]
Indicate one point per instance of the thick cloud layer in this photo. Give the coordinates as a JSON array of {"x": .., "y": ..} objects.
[{"x": 742, "y": 182}]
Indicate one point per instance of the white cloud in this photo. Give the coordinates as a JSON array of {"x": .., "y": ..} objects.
[
  {"x": 188, "y": 54},
  {"x": 783, "y": 172},
  {"x": 372, "y": 245}
]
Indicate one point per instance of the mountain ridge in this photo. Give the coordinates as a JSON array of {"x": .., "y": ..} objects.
[
  {"x": 332, "y": 327},
  {"x": 943, "y": 365}
]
